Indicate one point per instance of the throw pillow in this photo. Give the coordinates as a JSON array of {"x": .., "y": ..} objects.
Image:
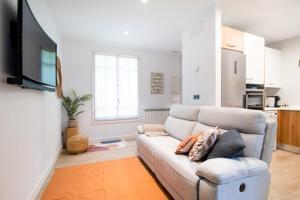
[
  {"x": 204, "y": 142},
  {"x": 186, "y": 144},
  {"x": 229, "y": 145}
]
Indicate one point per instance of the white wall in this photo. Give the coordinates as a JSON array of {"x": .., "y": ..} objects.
[
  {"x": 201, "y": 59},
  {"x": 77, "y": 74},
  {"x": 30, "y": 120},
  {"x": 291, "y": 70}
]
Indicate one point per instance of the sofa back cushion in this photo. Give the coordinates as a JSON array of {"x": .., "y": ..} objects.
[
  {"x": 181, "y": 121},
  {"x": 250, "y": 123},
  {"x": 179, "y": 128},
  {"x": 245, "y": 121},
  {"x": 186, "y": 112}
]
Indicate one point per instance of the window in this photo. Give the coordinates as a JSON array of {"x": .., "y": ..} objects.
[{"x": 116, "y": 87}]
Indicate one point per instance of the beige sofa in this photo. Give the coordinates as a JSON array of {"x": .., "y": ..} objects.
[{"x": 244, "y": 178}]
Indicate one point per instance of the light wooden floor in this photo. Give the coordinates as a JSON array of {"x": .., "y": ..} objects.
[
  {"x": 285, "y": 176},
  {"x": 285, "y": 168}
]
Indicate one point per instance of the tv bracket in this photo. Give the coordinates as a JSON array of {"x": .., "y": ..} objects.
[{"x": 13, "y": 36}]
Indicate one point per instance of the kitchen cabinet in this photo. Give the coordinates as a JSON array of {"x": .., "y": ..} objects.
[
  {"x": 273, "y": 67},
  {"x": 254, "y": 49},
  {"x": 288, "y": 131},
  {"x": 232, "y": 39}
]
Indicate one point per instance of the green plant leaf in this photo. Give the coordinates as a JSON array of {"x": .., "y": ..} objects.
[
  {"x": 72, "y": 104},
  {"x": 78, "y": 113},
  {"x": 85, "y": 98},
  {"x": 74, "y": 93}
]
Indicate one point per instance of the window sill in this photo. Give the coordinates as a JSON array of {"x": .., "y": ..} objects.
[{"x": 115, "y": 121}]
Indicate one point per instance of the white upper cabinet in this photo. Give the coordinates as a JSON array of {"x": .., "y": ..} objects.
[
  {"x": 232, "y": 39},
  {"x": 273, "y": 67},
  {"x": 254, "y": 49}
]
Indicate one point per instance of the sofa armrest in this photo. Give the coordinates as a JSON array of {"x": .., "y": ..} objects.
[
  {"x": 141, "y": 129},
  {"x": 223, "y": 170}
]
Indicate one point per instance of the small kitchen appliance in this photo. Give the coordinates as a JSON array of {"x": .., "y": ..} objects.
[
  {"x": 255, "y": 97},
  {"x": 273, "y": 101}
]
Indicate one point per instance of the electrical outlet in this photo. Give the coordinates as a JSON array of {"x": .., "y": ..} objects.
[{"x": 196, "y": 96}]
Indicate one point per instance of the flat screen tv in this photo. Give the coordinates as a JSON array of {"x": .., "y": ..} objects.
[{"x": 36, "y": 52}]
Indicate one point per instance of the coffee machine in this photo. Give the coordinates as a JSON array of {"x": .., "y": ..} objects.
[{"x": 273, "y": 101}]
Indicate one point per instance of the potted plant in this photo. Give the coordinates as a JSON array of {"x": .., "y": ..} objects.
[{"x": 72, "y": 104}]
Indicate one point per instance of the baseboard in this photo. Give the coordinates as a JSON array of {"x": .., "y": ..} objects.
[
  {"x": 40, "y": 183},
  {"x": 289, "y": 148}
]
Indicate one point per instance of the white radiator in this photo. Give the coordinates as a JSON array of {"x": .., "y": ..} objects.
[{"x": 155, "y": 115}]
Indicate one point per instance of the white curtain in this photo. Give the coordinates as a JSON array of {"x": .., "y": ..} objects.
[{"x": 116, "y": 87}]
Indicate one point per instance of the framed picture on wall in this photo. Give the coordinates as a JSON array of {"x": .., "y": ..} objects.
[{"x": 157, "y": 83}]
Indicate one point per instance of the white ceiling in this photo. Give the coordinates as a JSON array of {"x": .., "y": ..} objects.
[
  {"x": 158, "y": 23},
  {"x": 154, "y": 25},
  {"x": 273, "y": 19}
]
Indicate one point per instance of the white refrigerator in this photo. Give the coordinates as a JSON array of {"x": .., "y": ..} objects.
[{"x": 233, "y": 78}]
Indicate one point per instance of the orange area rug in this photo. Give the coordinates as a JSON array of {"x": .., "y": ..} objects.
[{"x": 125, "y": 179}]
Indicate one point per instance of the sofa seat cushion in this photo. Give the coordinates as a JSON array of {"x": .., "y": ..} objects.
[
  {"x": 177, "y": 169},
  {"x": 148, "y": 145}
]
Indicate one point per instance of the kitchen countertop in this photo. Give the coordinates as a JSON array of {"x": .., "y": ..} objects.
[
  {"x": 271, "y": 109},
  {"x": 290, "y": 108}
]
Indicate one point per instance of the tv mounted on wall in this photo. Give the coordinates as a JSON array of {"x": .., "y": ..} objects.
[{"x": 36, "y": 52}]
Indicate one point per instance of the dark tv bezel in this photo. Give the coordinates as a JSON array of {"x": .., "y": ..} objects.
[{"x": 28, "y": 82}]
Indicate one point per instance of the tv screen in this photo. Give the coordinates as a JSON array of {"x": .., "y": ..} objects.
[{"x": 37, "y": 51}]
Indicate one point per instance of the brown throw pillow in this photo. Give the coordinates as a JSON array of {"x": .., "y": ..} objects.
[
  {"x": 186, "y": 144},
  {"x": 204, "y": 142}
]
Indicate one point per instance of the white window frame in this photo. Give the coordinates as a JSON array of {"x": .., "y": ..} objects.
[{"x": 111, "y": 121}]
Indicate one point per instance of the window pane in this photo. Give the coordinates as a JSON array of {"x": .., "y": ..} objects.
[
  {"x": 106, "y": 87},
  {"x": 116, "y": 87},
  {"x": 128, "y": 87}
]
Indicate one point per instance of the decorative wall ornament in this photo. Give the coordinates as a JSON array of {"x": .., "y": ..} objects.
[
  {"x": 157, "y": 83},
  {"x": 59, "y": 91}
]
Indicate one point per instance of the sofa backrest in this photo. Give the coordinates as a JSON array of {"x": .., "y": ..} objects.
[
  {"x": 257, "y": 133},
  {"x": 181, "y": 121},
  {"x": 243, "y": 120},
  {"x": 250, "y": 123}
]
